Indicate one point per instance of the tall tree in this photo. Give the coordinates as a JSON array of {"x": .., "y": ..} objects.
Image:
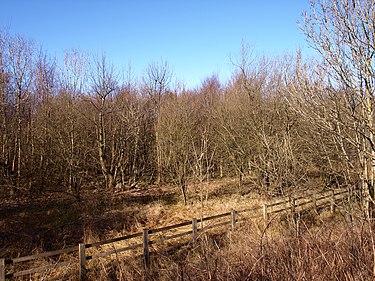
[
  {"x": 72, "y": 82},
  {"x": 104, "y": 85},
  {"x": 343, "y": 32},
  {"x": 44, "y": 88},
  {"x": 203, "y": 138},
  {"x": 176, "y": 127},
  {"x": 4, "y": 158},
  {"x": 135, "y": 130},
  {"x": 156, "y": 84},
  {"x": 21, "y": 62}
]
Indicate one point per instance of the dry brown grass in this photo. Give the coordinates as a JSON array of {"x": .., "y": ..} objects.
[
  {"x": 328, "y": 248},
  {"x": 332, "y": 250}
]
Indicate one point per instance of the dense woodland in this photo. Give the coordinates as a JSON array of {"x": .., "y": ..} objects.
[
  {"x": 71, "y": 126},
  {"x": 81, "y": 124}
]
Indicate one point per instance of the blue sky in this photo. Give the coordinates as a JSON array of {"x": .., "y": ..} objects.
[{"x": 195, "y": 37}]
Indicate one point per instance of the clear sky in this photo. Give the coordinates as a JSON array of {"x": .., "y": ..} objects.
[{"x": 196, "y": 37}]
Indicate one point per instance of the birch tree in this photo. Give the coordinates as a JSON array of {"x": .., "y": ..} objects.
[{"x": 343, "y": 33}]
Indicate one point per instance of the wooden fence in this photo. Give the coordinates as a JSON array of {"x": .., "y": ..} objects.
[{"x": 294, "y": 205}]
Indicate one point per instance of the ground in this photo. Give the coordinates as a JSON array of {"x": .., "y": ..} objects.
[{"x": 33, "y": 224}]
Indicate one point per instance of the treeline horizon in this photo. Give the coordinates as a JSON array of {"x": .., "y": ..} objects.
[{"x": 79, "y": 125}]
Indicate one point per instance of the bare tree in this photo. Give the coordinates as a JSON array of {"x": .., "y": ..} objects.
[
  {"x": 4, "y": 107},
  {"x": 21, "y": 53},
  {"x": 103, "y": 86},
  {"x": 241, "y": 115},
  {"x": 72, "y": 82},
  {"x": 204, "y": 142},
  {"x": 156, "y": 84},
  {"x": 342, "y": 31},
  {"x": 135, "y": 134},
  {"x": 176, "y": 127},
  {"x": 44, "y": 88}
]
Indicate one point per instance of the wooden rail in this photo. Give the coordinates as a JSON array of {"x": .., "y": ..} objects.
[{"x": 295, "y": 205}]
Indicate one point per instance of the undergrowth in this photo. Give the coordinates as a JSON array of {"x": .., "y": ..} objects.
[
  {"x": 327, "y": 247},
  {"x": 331, "y": 250}
]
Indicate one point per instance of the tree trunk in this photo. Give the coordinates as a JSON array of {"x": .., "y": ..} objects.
[
  {"x": 102, "y": 150},
  {"x": 18, "y": 141},
  {"x": 158, "y": 156},
  {"x": 183, "y": 191}
]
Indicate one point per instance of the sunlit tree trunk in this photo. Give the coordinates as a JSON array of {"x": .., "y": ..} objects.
[{"x": 343, "y": 33}]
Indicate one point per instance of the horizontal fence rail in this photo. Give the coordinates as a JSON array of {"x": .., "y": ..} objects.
[
  {"x": 295, "y": 205},
  {"x": 5, "y": 262}
]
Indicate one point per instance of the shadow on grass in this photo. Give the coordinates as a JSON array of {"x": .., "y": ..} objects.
[{"x": 60, "y": 221}]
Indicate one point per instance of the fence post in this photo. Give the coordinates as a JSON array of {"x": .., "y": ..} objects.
[
  {"x": 293, "y": 209},
  {"x": 350, "y": 213},
  {"x": 349, "y": 195},
  {"x": 298, "y": 224},
  {"x": 146, "y": 252},
  {"x": 82, "y": 262},
  {"x": 265, "y": 214},
  {"x": 332, "y": 200},
  {"x": 2, "y": 269},
  {"x": 233, "y": 219},
  {"x": 314, "y": 201},
  {"x": 194, "y": 224},
  {"x": 293, "y": 206}
]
